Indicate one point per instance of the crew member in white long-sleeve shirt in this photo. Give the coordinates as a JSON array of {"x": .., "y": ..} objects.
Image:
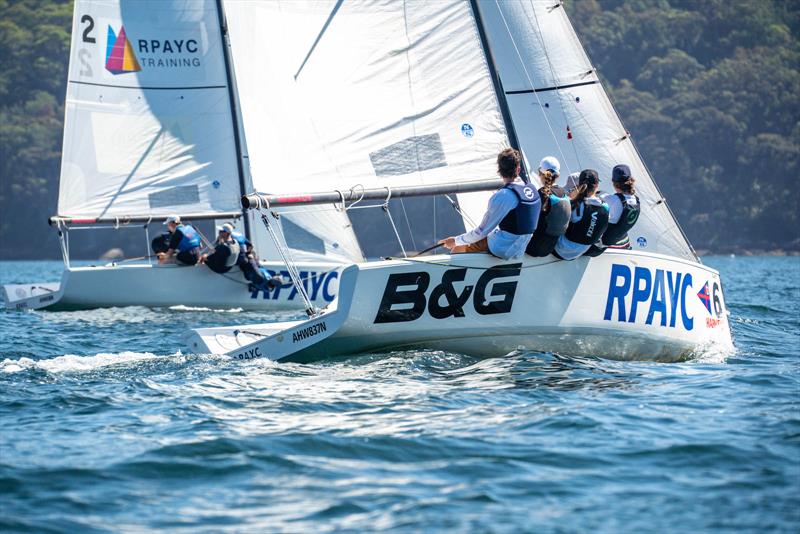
[{"x": 510, "y": 219}]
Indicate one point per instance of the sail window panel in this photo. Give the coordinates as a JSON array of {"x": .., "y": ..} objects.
[
  {"x": 598, "y": 141},
  {"x": 415, "y": 154},
  {"x": 544, "y": 52}
]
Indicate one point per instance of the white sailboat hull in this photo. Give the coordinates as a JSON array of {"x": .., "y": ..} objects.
[
  {"x": 172, "y": 285},
  {"x": 621, "y": 305}
]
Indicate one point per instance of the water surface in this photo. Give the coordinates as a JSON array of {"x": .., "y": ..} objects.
[{"x": 108, "y": 426}]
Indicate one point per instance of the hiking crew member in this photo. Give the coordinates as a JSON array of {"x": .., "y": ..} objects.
[
  {"x": 588, "y": 221},
  {"x": 555, "y": 213},
  {"x": 624, "y": 209},
  {"x": 184, "y": 242},
  {"x": 247, "y": 261},
  {"x": 510, "y": 218},
  {"x": 226, "y": 251}
]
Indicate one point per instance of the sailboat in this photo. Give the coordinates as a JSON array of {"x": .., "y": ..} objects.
[
  {"x": 402, "y": 99},
  {"x": 153, "y": 128}
]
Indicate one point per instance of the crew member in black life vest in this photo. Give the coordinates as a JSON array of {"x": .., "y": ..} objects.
[
  {"x": 556, "y": 210},
  {"x": 226, "y": 251},
  {"x": 588, "y": 221},
  {"x": 184, "y": 243},
  {"x": 624, "y": 208},
  {"x": 510, "y": 218}
]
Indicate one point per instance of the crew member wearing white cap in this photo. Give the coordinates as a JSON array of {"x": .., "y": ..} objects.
[
  {"x": 556, "y": 210},
  {"x": 184, "y": 243},
  {"x": 510, "y": 219},
  {"x": 226, "y": 251}
]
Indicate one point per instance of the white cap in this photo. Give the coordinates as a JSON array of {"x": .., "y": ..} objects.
[
  {"x": 550, "y": 163},
  {"x": 173, "y": 219},
  {"x": 227, "y": 227}
]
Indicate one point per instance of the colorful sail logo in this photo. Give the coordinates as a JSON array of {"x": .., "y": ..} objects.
[
  {"x": 119, "y": 53},
  {"x": 705, "y": 297}
]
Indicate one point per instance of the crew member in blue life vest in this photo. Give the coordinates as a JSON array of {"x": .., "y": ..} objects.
[
  {"x": 623, "y": 212},
  {"x": 555, "y": 213},
  {"x": 588, "y": 221},
  {"x": 226, "y": 251},
  {"x": 510, "y": 218},
  {"x": 184, "y": 243}
]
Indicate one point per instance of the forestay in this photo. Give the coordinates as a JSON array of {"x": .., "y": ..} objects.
[
  {"x": 377, "y": 94},
  {"x": 148, "y": 127},
  {"x": 559, "y": 108}
]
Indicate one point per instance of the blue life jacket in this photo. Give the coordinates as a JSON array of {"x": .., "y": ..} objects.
[
  {"x": 191, "y": 239},
  {"x": 524, "y": 218},
  {"x": 241, "y": 239}
]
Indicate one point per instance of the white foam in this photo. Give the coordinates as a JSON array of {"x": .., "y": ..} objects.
[
  {"x": 181, "y": 307},
  {"x": 72, "y": 362}
]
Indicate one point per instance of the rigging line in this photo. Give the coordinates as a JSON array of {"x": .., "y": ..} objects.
[
  {"x": 530, "y": 81},
  {"x": 413, "y": 124},
  {"x": 391, "y": 221},
  {"x": 460, "y": 211},
  {"x": 293, "y": 266},
  {"x": 553, "y": 74},
  {"x": 319, "y": 36},
  {"x": 408, "y": 224},
  {"x": 310, "y": 311}
]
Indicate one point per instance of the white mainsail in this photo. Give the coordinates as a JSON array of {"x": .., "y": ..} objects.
[
  {"x": 559, "y": 108},
  {"x": 378, "y": 94},
  {"x": 148, "y": 126}
]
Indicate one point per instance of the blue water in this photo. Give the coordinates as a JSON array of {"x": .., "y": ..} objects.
[{"x": 107, "y": 426}]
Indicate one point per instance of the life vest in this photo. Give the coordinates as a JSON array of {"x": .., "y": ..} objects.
[
  {"x": 233, "y": 246},
  {"x": 555, "y": 222},
  {"x": 241, "y": 239},
  {"x": 524, "y": 218},
  {"x": 617, "y": 233},
  {"x": 593, "y": 222},
  {"x": 191, "y": 239}
]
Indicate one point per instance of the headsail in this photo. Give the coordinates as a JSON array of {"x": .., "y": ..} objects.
[
  {"x": 559, "y": 107},
  {"x": 378, "y": 94},
  {"x": 148, "y": 127}
]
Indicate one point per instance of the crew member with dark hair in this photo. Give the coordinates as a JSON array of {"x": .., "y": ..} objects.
[
  {"x": 588, "y": 221},
  {"x": 623, "y": 211},
  {"x": 184, "y": 243},
  {"x": 226, "y": 251},
  {"x": 510, "y": 218},
  {"x": 555, "y": 214}
]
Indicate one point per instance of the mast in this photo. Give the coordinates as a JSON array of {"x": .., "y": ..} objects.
[
  {"x": 234, "y": 111},
  {"x": 498, "y": 85}
]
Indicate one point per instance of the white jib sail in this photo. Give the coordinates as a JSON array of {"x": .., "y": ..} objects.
[
  {"x": 559, "y": 108},
  {"x": 339, "y": 94},
  {"x": 148, "y": 128}
]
